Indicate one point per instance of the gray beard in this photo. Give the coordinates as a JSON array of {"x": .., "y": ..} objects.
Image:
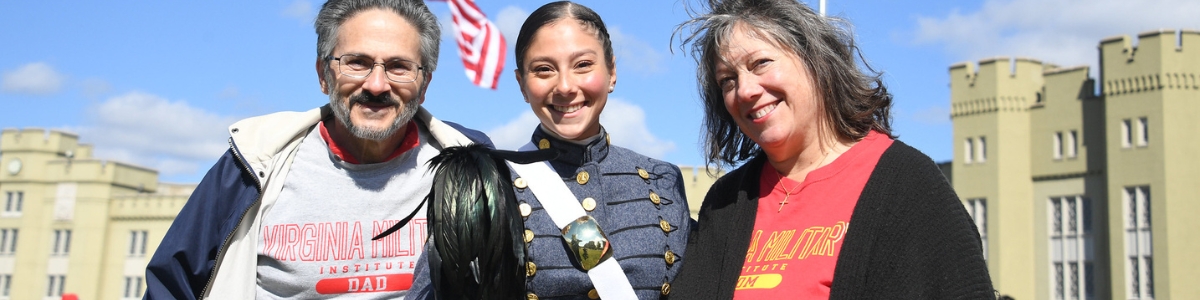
[{"x": 342, "y": 113}]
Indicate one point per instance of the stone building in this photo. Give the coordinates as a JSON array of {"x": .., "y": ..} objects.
[
  {"x": 1085, "y": 188},
  {"x": 72, "y": 224}
]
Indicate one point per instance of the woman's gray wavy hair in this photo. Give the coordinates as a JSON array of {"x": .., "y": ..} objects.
[
  {"x": 336, "y": 12},
  {"x": 853, "y": 102}
]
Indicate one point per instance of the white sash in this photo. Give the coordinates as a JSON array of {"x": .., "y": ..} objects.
[{"x": 564, "y": 208}]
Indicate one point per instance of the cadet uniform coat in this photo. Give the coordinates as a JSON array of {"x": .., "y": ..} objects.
[{"x": 638, "y": 201}]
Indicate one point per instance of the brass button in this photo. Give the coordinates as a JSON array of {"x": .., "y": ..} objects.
[
  {"x": 530, "y": 269},
  {"x": 654, "y": 198},
  {"x": 520, "y": 183},
  {"x": 593, "y": 294},
  {"x": 525, "y": 209},
  {"x": 670, "y": 257},
  {"x": 666, "y": 289},
  {"x": 582, "y": 177},
  {"x": 531, "y": 296},
  {"x": 642, "y": 173},
  {"x": 528, "y": 236},
  {"x": 666, "y": 227},
  {"x": 589, "y": 204},
  {"x": 543, "y": 144}
]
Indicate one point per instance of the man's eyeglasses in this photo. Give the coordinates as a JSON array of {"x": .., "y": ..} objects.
[{"x": 358, "y": 66}]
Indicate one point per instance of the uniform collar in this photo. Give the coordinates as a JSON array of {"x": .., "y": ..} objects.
[{"x": 572, "y": 153}]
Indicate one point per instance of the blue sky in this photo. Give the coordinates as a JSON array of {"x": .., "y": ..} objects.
[{"x": 156, "y": 83}]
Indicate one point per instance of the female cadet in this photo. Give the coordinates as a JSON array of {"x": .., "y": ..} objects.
[{"x": 626, "y": 219}]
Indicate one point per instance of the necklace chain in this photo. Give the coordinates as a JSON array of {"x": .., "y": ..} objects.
[{"x": 786, "y": 194}]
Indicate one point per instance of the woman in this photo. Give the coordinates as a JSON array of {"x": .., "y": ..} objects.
[
  {"x": 825, "y": 203},
  {"x": 566, "y": 69}
]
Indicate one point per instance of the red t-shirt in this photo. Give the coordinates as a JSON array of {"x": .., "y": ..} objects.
[{"x": 794, "y": 248}]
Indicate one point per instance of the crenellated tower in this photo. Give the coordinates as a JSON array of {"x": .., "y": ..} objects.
[
  {"x": 990, "y": 106},
  {"x": 1151, "y": 87}
]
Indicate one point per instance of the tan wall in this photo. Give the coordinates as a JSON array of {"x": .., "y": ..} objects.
[
  {"x": 1068, "y": 104},
  {"x": 1182, "y": 168},
  {"x": 1061, "y": 111},
  {"x": 151, "y": 213},
  {"x": 696, "y": 182}
]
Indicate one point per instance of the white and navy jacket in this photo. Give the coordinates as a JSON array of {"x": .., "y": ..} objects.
[{"x": 209, "y": 250}]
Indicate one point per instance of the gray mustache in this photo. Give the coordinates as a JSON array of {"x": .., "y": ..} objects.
[{"x": 364, "y": 97}]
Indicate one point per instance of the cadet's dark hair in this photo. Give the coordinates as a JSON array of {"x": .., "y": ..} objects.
[{"x": 554, "y": 11}]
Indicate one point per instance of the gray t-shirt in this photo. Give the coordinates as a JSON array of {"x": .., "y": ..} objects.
[{"x": 315, "y": 241}]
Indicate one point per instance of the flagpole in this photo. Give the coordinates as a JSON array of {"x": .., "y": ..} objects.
[{"x": 822, "y": 8}]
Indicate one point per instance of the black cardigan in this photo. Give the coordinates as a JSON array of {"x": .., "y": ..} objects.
[{"x": 909, "y": 236}]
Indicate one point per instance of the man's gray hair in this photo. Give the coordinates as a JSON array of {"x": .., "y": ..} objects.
[{"x": 335, "y": 12}]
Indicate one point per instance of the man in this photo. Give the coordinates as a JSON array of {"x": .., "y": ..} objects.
[{"x": 290, "y": 210}]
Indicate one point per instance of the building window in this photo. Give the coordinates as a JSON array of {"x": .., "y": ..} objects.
[
  {"x": 133, "y": 287},
  {"x": 977, "y": 208},
  {"x": 1057, "y": 143},
  {"x": 8, "y": 241},
  {"x": 62, "y": 242},
  {"x": 137, "y": 243},
  {"x": 1143, "y": 132},
  {"x": 1072, "y": 144},
  {"x": 15, "y": 200},
  {"x": 5, "y": 284},
  {"x": 1139, "y": 251},
  {"x": 55, "y": 286},
  {"x": 967, "y": 152},
  {"x": 1071, "y": 250},
  {"x": 1126, "y": 135},
  {"x": 981, "y": 149}
]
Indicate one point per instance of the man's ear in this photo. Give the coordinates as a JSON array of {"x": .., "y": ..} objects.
[
  {"x": 425, "y": 87},
  {"x": 321, "y": 76}
]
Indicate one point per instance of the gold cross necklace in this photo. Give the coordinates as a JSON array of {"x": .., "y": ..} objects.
[{"x": 786, "y": 193}]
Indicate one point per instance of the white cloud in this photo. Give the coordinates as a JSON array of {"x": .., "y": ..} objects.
[
  {"x": 624, "y": 121},
  {"x": 229, "y": 92},
  {"x": 634, "y": 54},
  {"x": 300, "y": 10},
  {"x": 33, "y": 79},
  {"x": 95, "y": 87},
  {"x": 933, "y": 115},
  {"x": 514, "y": 134},
  {"x": 1062, "y": 32},
  {"x": 447, "y": 23},
  {"x": 172, "y": 137},
  {"x": 509, "y": 20}
]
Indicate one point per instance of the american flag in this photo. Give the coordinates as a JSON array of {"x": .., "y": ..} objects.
[{"x": 480, "y": 43}]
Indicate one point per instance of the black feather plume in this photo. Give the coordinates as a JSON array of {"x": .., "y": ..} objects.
[{"x": 479, "y": 251}]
